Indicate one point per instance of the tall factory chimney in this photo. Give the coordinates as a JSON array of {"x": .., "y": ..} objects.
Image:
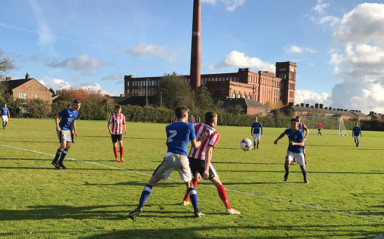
[{"x": 195, "y": 77}]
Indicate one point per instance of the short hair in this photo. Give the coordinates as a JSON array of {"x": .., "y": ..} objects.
[
  {"x": 298, "y": 117},
  {"x": 76, "y": 101},
  {"x": 209, "y": 116},
  {"x": 180, "y": 111},
  {"x": 294, "y": 120},
  {"x": 68, "y": 106},
  {"x": 117, "y": 107}
]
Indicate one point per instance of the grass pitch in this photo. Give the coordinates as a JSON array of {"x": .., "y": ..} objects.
[{"x": 92, "y": 198}]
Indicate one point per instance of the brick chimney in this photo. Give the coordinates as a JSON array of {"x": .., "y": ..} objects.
[
  {"x": 317, "y": 105},
  {"x": 8, "y": 78},
  {"x": 321, "y": 106},
  {"x": 27, "y": 76}
]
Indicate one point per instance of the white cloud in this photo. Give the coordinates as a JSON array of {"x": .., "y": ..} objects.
[
  {"x": 230, "y": 5},
  {"x": 363, "y": 24},
  {"x": 298, "y": 49},
  {"x": 310, "y": 97},
  {"x": 142, "y": 50},
  {"x": 359, "y": 61},
  {"x": 239, "y": 59},
  {"x": 46, "y": 34},
  {"x": 78, "y": 63},
  {"x": 56, "y": 84},
  {"x": 320, "y": 6},
  {"x": 116, "y": 76}
]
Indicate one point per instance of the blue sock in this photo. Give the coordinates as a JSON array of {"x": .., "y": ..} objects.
[
  {"x": 145, "y": 195},
  {"x": 58, "y": 153},
  {"x": 304, "y": 174},
  {"x": 63, "y": 154},
  {"x": 193, "y": 197}
]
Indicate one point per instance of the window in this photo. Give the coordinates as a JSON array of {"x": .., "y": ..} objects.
[{"x": 22, "y": 95}]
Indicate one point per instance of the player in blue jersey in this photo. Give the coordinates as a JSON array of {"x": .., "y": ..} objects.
[
  {"x": 256, "y": 132},
  {"x": 179, "y": 134},
  {"x": 295, "y": 148},
  {"x": 5, "y": 115},
  {"x": 356, "y": 133},
  {"x": 63, "y": 130}
]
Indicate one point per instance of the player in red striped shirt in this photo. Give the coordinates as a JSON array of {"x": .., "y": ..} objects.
[
  {"x": 117, "y": 120},
  {"x": 200, "y": 159}
]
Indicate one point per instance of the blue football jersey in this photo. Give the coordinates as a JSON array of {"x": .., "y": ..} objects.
[
  {"x": 67, "y": 116},
  {"x": 356, "y": 131},
  {"x": 257, "y": 127},
  {"x": 4, "y": 110},
  {"x": 296, "y": 137},
  {"x": 178, "y": 136}
]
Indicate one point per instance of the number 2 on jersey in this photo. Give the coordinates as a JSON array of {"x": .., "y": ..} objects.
[{"x": 172, "y": 133}]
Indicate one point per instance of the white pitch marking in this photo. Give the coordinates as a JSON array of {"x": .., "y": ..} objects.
[{"x": 208, "y": 185}]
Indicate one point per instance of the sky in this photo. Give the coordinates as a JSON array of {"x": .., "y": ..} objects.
[{"x": 338, "y": 45}]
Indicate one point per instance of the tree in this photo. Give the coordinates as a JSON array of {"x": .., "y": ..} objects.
[
  {"x": 203, "y": 99},
  {"x": 173, "y": 91},
  {"x": 5, "y": 65}
]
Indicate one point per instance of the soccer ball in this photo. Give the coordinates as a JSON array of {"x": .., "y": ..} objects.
[{"x": 246, "y": 144}]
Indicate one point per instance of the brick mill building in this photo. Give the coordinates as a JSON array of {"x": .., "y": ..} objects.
[{"x": 262, "y": 86}]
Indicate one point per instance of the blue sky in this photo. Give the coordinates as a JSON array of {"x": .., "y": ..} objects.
[{"x": 338, "y": 45}]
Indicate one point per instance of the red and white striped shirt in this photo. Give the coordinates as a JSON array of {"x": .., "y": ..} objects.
[
  {"x": 212, "y": 140},
  {"x": 302, "y": 127},
  {"x": 117, "y": 121}
]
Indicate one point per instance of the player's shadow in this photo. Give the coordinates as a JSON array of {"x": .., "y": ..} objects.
[
  {"x": 18, "y": 159},
  {"x": 252, "y": 231},
  {"x": 234, "y": 163},
  {"x": 30, "y": 141},
  {"x": 62, "y": 212},
  {"x": 135, "y": 183}
]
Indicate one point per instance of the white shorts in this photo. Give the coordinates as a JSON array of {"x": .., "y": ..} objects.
[
  {"x": 173, "y": 162},
  {"x": 299, "y": 157},
  {"x": 4, "y": 117},
  {"x": 355, "y": 137},
  {"x": 64, "y": 136},
  {"x": 256, "y": 136}
]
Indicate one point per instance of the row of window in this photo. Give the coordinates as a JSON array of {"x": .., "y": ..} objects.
[
  {"x": 25, "y": 96},
  {"x": 144, "y": 83}
]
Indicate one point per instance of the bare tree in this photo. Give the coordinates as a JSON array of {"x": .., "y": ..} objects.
[{"x": 5, "y": 65}]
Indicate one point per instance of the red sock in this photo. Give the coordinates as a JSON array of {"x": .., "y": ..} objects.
[
  {"x": 186, "y": 197},
  {"x": 223, "y": 196},
  {"x": 121, "y": 151},
  {"x": 115, "y": 151}
]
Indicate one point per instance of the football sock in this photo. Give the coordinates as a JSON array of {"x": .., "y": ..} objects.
[
  {"x": 305, "y": 156},
  {"x": 115, "y": 151},
  {"x": 72, "y": 138},
  {"x": 286, "y": 171},
  {"x": 304, "y": 174},
  {"x": 254, "y": 144},
  {"x": 58, "y": 153},
  {"x": 63, "y": 154},
  {"x": 145, "y": 195},
  {"x": 195, "y": 182},
  {"x": 121, "y": 151},
  {"x": 257, "y": 145},
  {"x": 193, "y": 196},
  {"x": 223, "y": 195}
]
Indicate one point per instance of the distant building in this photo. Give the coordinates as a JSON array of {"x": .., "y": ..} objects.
[
  {"x": 248, "y": 106},
  {"x": 318, "y": 110},
  {"x": 27, "y": 88},
  {"x": 263, "y": 86}
]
